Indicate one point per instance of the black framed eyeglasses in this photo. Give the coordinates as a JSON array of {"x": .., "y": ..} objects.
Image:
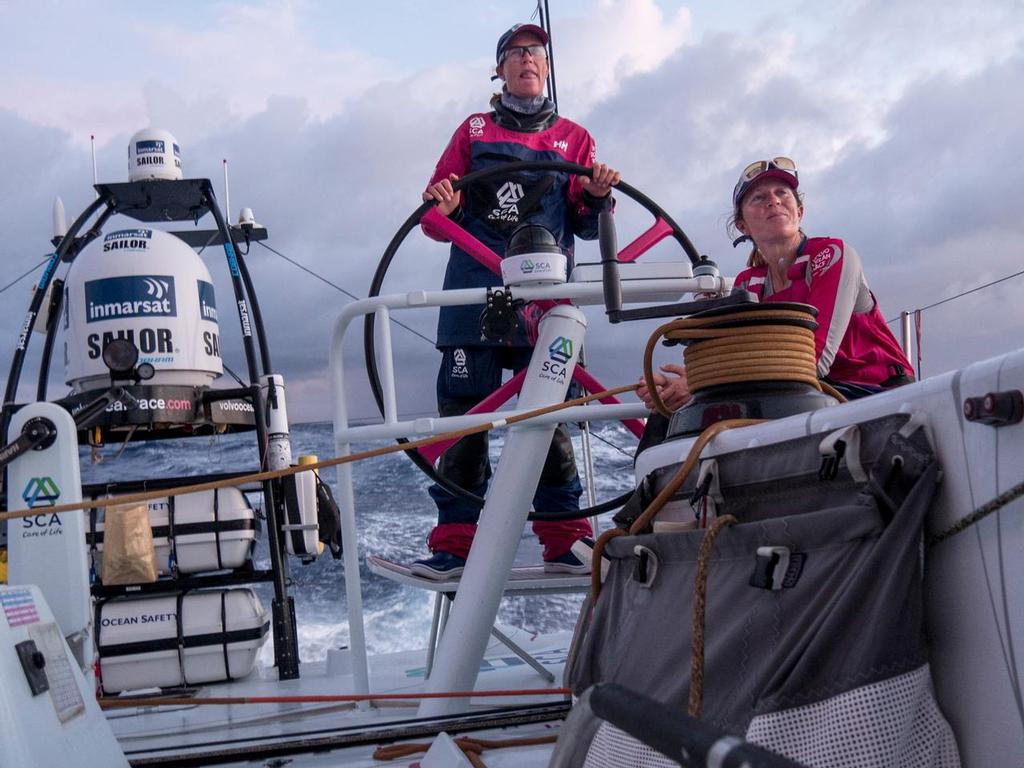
[{"x": 536, "y": 51}]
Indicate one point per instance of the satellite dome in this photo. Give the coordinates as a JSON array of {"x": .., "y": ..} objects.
[{"x": 154, "y": 154}]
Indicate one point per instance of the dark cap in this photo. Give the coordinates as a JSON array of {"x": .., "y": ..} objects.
[{"x": 513, "y": 31}]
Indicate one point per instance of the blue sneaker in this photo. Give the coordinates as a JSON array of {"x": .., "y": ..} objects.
[
  {"x": 570, "y": 563},
  {"x": 441, "y": 566}
]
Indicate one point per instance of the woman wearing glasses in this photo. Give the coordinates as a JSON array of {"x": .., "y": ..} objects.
[
  {"x": 856, "y": 351},
  {"x": 522, "y": 125}
]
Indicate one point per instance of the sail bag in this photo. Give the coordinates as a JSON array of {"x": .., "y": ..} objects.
[{"x": 814, "y": 635}]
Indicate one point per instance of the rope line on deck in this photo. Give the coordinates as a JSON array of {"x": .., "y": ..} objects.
[
  {"x": 135, "y": 498},
  {"x": 181, "y": 701}
]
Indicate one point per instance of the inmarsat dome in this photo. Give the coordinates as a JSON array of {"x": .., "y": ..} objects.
[
  {"x": 151, "y": 288},
  {"x": 154, "y": 154}
]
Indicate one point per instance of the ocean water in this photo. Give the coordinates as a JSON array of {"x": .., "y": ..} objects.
[{"x": 394, "y": 514}]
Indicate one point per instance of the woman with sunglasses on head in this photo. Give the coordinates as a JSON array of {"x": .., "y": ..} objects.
[{"x": 856, "y": 352}]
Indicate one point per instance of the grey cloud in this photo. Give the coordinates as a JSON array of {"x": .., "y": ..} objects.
[{"x": 926, "y": 194}]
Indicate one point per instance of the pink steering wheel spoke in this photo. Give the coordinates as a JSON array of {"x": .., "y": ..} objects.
[
  {"x": 444, "y": 226},
  {"x": 657, "y": 232},
  {"x": 493, "y": 401}
]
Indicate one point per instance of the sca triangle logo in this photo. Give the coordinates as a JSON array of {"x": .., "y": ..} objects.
[
  {"x": 560, "y": 350},
  {"x": 41, "y": 492}
]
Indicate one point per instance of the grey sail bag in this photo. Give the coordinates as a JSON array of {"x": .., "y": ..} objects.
[{"x": 813, "y": 638}]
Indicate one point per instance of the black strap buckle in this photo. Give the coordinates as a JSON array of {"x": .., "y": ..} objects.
[
  {"x": 830, "y": 464},
  {"x": 777, "y": 568}
]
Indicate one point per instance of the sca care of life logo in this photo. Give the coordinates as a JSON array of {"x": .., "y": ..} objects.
[
  {"x": 460, "y": 364},
  {"x": 40, "y": 492},
  {"x": 559, "y": 354},
  {"x": 508, "y": 196},
  {"x": 530, "y": 267}
]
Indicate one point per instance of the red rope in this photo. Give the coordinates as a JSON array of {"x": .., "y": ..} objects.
[{"x": 164, "y": 701}]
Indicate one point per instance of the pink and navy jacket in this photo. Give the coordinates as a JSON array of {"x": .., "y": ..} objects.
[
  {"x": 853, "y": 343},
  {"x": 490, "y": 211}
]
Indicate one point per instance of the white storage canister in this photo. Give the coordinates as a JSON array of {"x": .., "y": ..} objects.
[
  {"x": 204, "y": 531},
  {"x": 179, "y": 640},
  {"x": 301, "y": 529}
]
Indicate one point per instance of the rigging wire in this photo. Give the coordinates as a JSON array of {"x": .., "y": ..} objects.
[
  {"x": 609, "y": 443},
  {"x": 337, "y": 287},
  {"x": 21, "y": 277},
  {"x": 962, "y": 294}
]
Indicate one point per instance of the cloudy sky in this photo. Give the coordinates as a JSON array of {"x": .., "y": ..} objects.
[{"x": 905, "y": 118}]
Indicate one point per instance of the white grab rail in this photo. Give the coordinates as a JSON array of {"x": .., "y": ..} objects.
[{"x": 583, "y": 293}]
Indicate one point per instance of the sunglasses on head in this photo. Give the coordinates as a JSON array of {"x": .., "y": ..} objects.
[
  {"x": 755, "y": 169},
  {"x": 758, "y": 167}
]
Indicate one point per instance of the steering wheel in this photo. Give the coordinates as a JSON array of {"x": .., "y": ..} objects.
[{"x": 663, "y": 227}]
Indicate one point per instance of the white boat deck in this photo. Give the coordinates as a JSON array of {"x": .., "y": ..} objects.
[{"x": 149, "y": 735}]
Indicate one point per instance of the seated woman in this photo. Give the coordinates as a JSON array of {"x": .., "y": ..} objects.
[{"x": 857, "y": 353}]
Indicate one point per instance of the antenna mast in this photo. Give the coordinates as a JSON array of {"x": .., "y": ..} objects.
[
  {"x": 227, "y": 192},
  {"x": 92, "y": 144},
  {"x": 545, "y": 23}
]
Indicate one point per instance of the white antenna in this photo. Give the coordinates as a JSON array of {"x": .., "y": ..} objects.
[
  {"x": 227, "y": 195},
  {"x": 60, "y": 225},
  {"x": 92, "y": 143}
]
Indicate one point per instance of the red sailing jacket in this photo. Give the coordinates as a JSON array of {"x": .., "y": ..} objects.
[
  {"x": 492, "y": 210},
  {"x": 853, "y": 343}
]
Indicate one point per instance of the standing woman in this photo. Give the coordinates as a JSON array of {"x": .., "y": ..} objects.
[{"x": 521, "y": 125}]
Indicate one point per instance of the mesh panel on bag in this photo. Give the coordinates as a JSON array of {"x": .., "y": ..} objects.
[
  {"x": 895, "y": 722},
  {"x": 613, "y": 748}
]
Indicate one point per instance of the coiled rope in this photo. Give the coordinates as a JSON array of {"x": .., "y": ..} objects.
[{"x": 762, "y": 344}]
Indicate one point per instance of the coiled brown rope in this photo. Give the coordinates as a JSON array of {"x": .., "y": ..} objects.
[
  {"x": 767, "y": 344},
  {"x": 700, "y": 592}
]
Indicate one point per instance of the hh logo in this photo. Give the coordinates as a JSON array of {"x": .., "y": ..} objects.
[
  {"x": 562, "y": 145},
  {"x": 41, "y": 492},
  {"x": 561, "y": 350}
]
